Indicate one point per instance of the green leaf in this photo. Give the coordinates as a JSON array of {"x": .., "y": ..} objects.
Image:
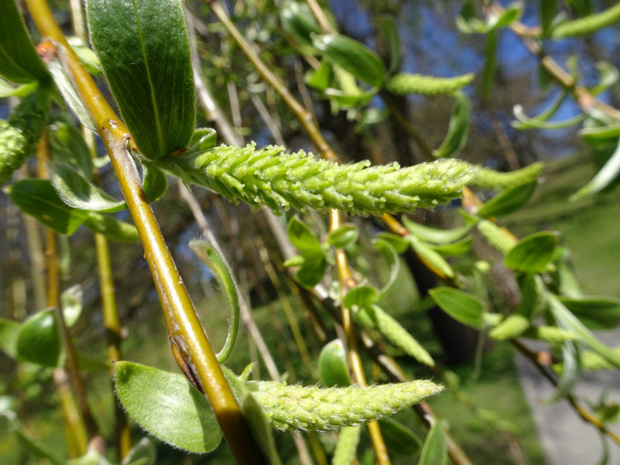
[
  {"x": 393, "y": 261},
  {"x": 459, "y": 305},
  {"x": 608, "y": 76},
  {"x": 8, "y": 90},
  {"x": 77, "y": 192},
  {"x": 360, "y": 296},
  {"x": 143, "y": 453},
  {"x": 68, "y": 143},
  {"x": 71, "y": 302},
  {"x": 112, "y": 228},
  {"x": 348, "y": 440},
  {"x": 399, "y": 243},
  {"x": 223, "y": 275},
  {"x": 524, "y": 122},
  {"x": 353, "y": 57},
  {"x": 547, "y": 9},
  {"x": 343, "y": 236},
  {"x": 533, "y": 253},
  {"x": 389, "y": 32},
  {"x": 434, "y": 451},
  {"x": 454, "y": 248},
  {"x": 560, "y": 312},
  {"x": 607, "y": 174},
  {"x": 155, "y": 183},
  {"x": 508, "y": 201},
  {"x": 38, "y": 340},
  {"x": 297, "y": 19},
  {"x": 167, "y": 406},
  {"x": 333, "y": 366},
  {"x": 302, "y": 237},
  {"x": 490, "y": 55},
  {"x": 458, "y": 128},
  {"x": 19, "y": 60},
  {"x": 320, "y": 78},
  {"x": 587, "y": 25},
  {"x": 144, "y": 49},
  {"x": 468, "y": 23},
  {"x": 435, "y": 235},
  {"x": 38, "y": 198},
  {"x": 350, "y": 100},
  {"x": 596, "y": 313},
  {"x": 312, "y": 270},
  {"x": 432, "y": 258},
  {"x": 9, "y": 330},
  {"x": 86, "y": 56},
  {"x": 399, "y": 439}
]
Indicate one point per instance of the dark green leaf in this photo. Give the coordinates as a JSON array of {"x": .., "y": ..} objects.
[
  {"x": 389, "y": 32},
  {"x": 488, "y": 73},
  {"x": 298, "y": 20},
  {"x": 458, "y": 128},
  {"x": 436, "y": 235},
  {"x": 360, "y": 296},
  {"x": 69, "y": 141},
  {"x": 167, "y": 406},
  {"x": 459, "y": 305},
  {"x": 38, "y": 340},
  {"x": 19, "y": 61},
  {"x": 547, "y": 9},
  {"x": 312, "y": 270},
  {"x": 343, "y": 236},
  {"x": 144, "y": 50},
  {"x": 398, "y": 438},
  {"x": 302, "y": 237},
  {"x": 77, "y": 192},
  {"x": 533, "y": 253},
  {"x": 155, "y": 182},
  {"x": 508, "y": 201},
  {"x": 112, "y": 228},
  {"x": 9, "y": 330},
  {"x": 38, "y": 198},
  {"x": 333, "y": 366},
  {"x": 596, "y": 313},
  {"x": 434, "y": 451},
  {"x": 353, "y": 57}
]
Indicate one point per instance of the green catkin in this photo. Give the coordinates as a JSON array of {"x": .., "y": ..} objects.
[
  {"x": 550, "y": 334},
  {"x": 348, "y": 439},
  {"x": 495, "y": 236},
  {"x": 587, "y": 25},
  {"x": 591, "y": 361},
  {"x": 312, "y": 408},
  {"x": 403, "y": 84},
  {"x": 513, "y": 326},
  {"x": 490, "y": 179},
  {"x": 400, "y": 337},
  {"x": 20, "y": 134},
  {"x": 280, "y": 181}
]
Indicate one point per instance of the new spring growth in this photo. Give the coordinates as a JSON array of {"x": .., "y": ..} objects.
[
  {"x": 313, "y": 408},
  {"x": 280, "y": 181}
]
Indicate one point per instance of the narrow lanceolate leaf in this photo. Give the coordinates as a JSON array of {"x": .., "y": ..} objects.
[
  {"x": 587, "y": 25},
  {"x": 508, "y": 201},
  {"x": 597, "y": 313},
  {"x": 353, "y": 57},
  {"x": 312, "y": 408},
  {"x": 38, "y": 198},
  {"x": 144, "y": 50},
  {"x": 491, "y": 179},
  {"x": 458, "y": 128},
  {"x": 434, "y": 451},
  {"x": 167, "y": 406},
  {"x": 404, "y": 83},
  {"x": 19, "y": 61},
  {"x": 608, "y": 173},
  {"x": 19, "y": 136},
  {"x": 280, "y": 181},
  {"x": 459, "y": 305},
  {"x": 533, "y": 253}
]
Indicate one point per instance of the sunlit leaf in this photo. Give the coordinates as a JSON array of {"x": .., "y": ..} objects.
[
  {"x": 459, "y": 305},
  {"x": 343, "y": 236},
  {"x": 112, "y": 228},
  {"x": 333, "y": 366},
  {"x": 144, "y": 51},
  {"x": 167, "y": 406},
  {"x": 533, "y": 253},
  {"x": 302, "y": 237},
  {"x": 9, "y": 330},
  {"x": 38, "y": 340},
  {"x": 458, "y": 129},
  {"x": 434, "y": 451},
  {"x": 436, "y": 235},
  {"x": 507, "y": 201}
]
